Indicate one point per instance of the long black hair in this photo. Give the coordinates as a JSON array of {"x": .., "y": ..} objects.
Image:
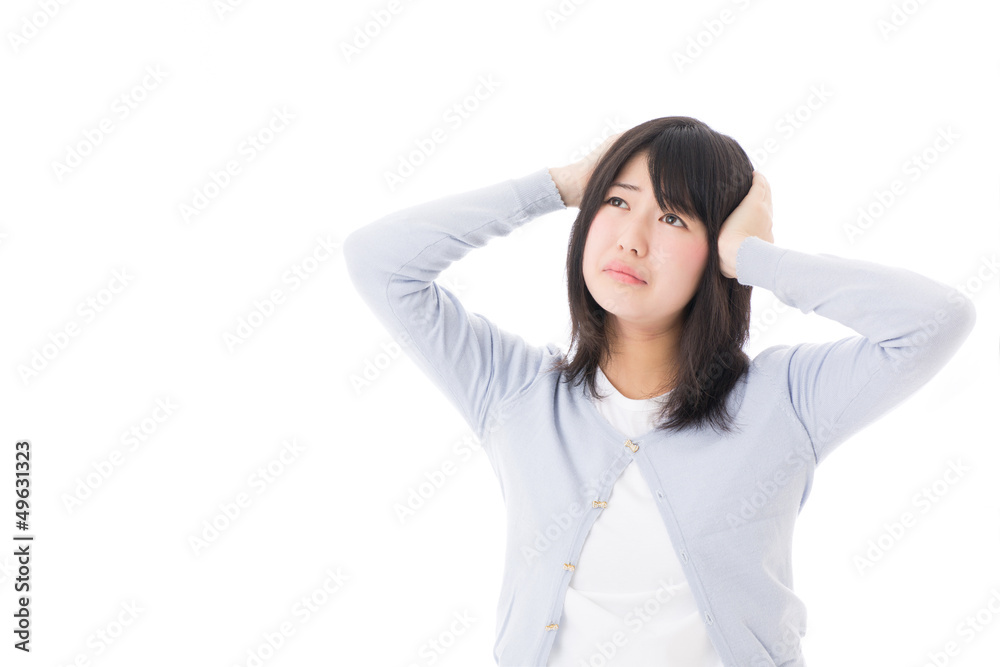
[{"x": 697, "y": 171}]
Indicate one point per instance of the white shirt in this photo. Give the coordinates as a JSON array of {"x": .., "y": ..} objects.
[{"x": 628, "y": 601}]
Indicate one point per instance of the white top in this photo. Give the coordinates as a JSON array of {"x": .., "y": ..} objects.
[{"x": 628, "y": 601}]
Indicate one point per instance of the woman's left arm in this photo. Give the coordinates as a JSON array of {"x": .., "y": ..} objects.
[{"x": 910, "y": 325}]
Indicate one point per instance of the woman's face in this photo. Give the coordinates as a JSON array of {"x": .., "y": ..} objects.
[{"x": 667, "y": 251}]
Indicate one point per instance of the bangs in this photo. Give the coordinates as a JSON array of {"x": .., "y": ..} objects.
[{"x": 676, "y": 169}]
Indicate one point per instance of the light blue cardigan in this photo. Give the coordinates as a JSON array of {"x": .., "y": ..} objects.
[{"x": 729, "y": 502}]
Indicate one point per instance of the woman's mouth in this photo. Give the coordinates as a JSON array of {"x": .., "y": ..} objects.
[{"x": 624, "y": 277}]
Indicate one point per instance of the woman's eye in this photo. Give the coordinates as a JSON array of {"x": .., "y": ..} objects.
[
  {"x": 671, "y": 215},
  {"x": 612, "y": 201}
]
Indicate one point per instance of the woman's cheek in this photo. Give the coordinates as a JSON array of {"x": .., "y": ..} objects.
[
  {"x": 683, "y": 263},
  {"x": 697, "y": 258}
]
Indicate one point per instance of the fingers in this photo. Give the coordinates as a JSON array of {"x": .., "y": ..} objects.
[
  {"x": 760, "y": 181},
  {"x": 765, "y": 187}
]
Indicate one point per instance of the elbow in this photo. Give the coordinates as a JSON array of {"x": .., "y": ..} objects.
[
  {"x": 369, "y": 264},
  {"x": 351, "y": 246},
  {"x": 938, "y": 338},
  {"x": 354, "y": 250},
  {"x": 961, "y": 310}
]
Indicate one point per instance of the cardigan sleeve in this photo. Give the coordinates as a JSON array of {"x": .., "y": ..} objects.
[
  {"x": 909, "y": 326},
  {"x": 393, "y": 263}
]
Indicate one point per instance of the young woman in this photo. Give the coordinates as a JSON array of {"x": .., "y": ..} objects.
[{"x": 653, "y": 475}]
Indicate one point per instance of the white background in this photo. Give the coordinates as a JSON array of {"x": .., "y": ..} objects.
[{"x": 567, "y": 76}]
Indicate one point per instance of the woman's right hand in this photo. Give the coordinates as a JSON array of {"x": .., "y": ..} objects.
[{"x": 572, "y": 179}]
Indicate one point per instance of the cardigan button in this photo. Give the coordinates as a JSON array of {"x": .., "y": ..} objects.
[
  {"x": 552, "y": 626},
  {"x": 600, "y": 503},
  {"x": 631, "y": 445},
  {"x": 569, "y": 566}
]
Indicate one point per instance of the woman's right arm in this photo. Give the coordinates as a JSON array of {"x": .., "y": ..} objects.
[{"x": 394, "y": 261}]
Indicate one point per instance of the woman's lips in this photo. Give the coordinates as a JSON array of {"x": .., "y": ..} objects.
[{"x": 624, "y": 277}]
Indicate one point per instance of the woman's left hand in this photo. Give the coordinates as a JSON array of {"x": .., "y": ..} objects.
[{"x": 751, "y": 218}]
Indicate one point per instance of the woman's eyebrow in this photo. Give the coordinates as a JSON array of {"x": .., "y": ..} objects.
[
  {"x": 626, "y": 186},
  {"x": 636, "y": 188}
]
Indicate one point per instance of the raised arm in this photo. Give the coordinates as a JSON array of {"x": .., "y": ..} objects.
[
  {"x": 909, "y": 326},
  {"x": 394, "y": 262}
]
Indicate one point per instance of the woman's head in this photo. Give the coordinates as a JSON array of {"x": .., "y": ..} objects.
[
  {"x": 655, "y": 202},
  {"x": 665, "y": 248}
]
